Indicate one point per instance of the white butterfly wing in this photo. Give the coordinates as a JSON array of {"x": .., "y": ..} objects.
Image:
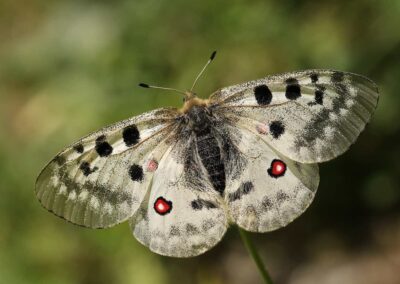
[
  {"x": 309, "y": 116},
  {"x": 182, "y": 216},
  {"x": 270, "y": 190},
  {"x": 101, "y": 180}
]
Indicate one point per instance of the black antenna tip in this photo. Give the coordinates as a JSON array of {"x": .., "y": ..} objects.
[
  {"x": 213, "y": 55},
  {"x": 143, "y": 85}
]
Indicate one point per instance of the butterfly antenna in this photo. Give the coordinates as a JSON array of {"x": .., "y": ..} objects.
[
  {"x": 143, "y": 85},
  {"x": 202, "y": 70}
]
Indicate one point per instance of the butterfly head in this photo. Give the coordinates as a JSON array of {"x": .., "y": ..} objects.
[
  {"x": 189, "y": 95},
  {"x": 190, "y": 98}
]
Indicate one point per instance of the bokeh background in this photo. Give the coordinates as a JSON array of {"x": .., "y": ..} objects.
[{"x": 70, "y": 67}]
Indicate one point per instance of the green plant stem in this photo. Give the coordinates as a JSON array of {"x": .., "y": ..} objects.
[{"x": 256, "y": 257}]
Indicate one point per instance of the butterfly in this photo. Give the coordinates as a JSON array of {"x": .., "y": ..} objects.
[{"x": 248, "y": 155}]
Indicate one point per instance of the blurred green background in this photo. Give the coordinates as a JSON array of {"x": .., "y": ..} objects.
[{"x": 69, "y": 67}]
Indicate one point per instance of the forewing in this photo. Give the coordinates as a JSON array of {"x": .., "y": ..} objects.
[
  {"x": 100, "y": 180},
  {"x": 309, "y": 116},
  {"x": 182, "y": 215},
  {"x": 267, "y": 190}
]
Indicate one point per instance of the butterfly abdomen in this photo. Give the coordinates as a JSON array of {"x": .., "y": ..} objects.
[
  {"x": 207, "y": 145},
  {"x": 210, "y": 155}
]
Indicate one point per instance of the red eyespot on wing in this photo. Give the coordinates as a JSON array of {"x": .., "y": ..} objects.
[
  {"x": 151, "y": 165},
  {"x": 262, "y": 128},
  {"x": 162, "y": 206},
  {"x": 277, "y": 169}
]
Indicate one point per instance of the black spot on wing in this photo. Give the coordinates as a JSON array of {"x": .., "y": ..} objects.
[
  {"x": 101, "y": 138},
  {"x": 102, "y": 147},
  {"x": 291, "y": 81},
  {"x": 263, "y": 95},
  {"x": 292, "y": 89},
  {"x": 319, "y": 97},
  {"x": 136, "y": 172},
  {"x": 314, "y": 77},
  {"x": 60, "y": 160},
  {"x": 337, "y": 77},
  {"x": 199, "y": 204},
  {"x": 244, "y": 188},
  {"x": 85, "y": 168},
  {"x": 276, "y": 129},
  {"x": 131, "y": 135},
  {"x": 79, "y": 148}
]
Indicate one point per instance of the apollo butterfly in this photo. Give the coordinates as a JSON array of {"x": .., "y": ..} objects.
[{"x": 247, "y": 155}]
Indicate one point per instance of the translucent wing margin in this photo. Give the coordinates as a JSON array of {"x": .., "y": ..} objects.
[
  {"x": 101, "y": 180},
  {"x": 309, "y": 116}
]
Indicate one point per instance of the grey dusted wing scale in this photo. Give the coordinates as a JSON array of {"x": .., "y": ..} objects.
[{"x": 247, "y": 155}]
